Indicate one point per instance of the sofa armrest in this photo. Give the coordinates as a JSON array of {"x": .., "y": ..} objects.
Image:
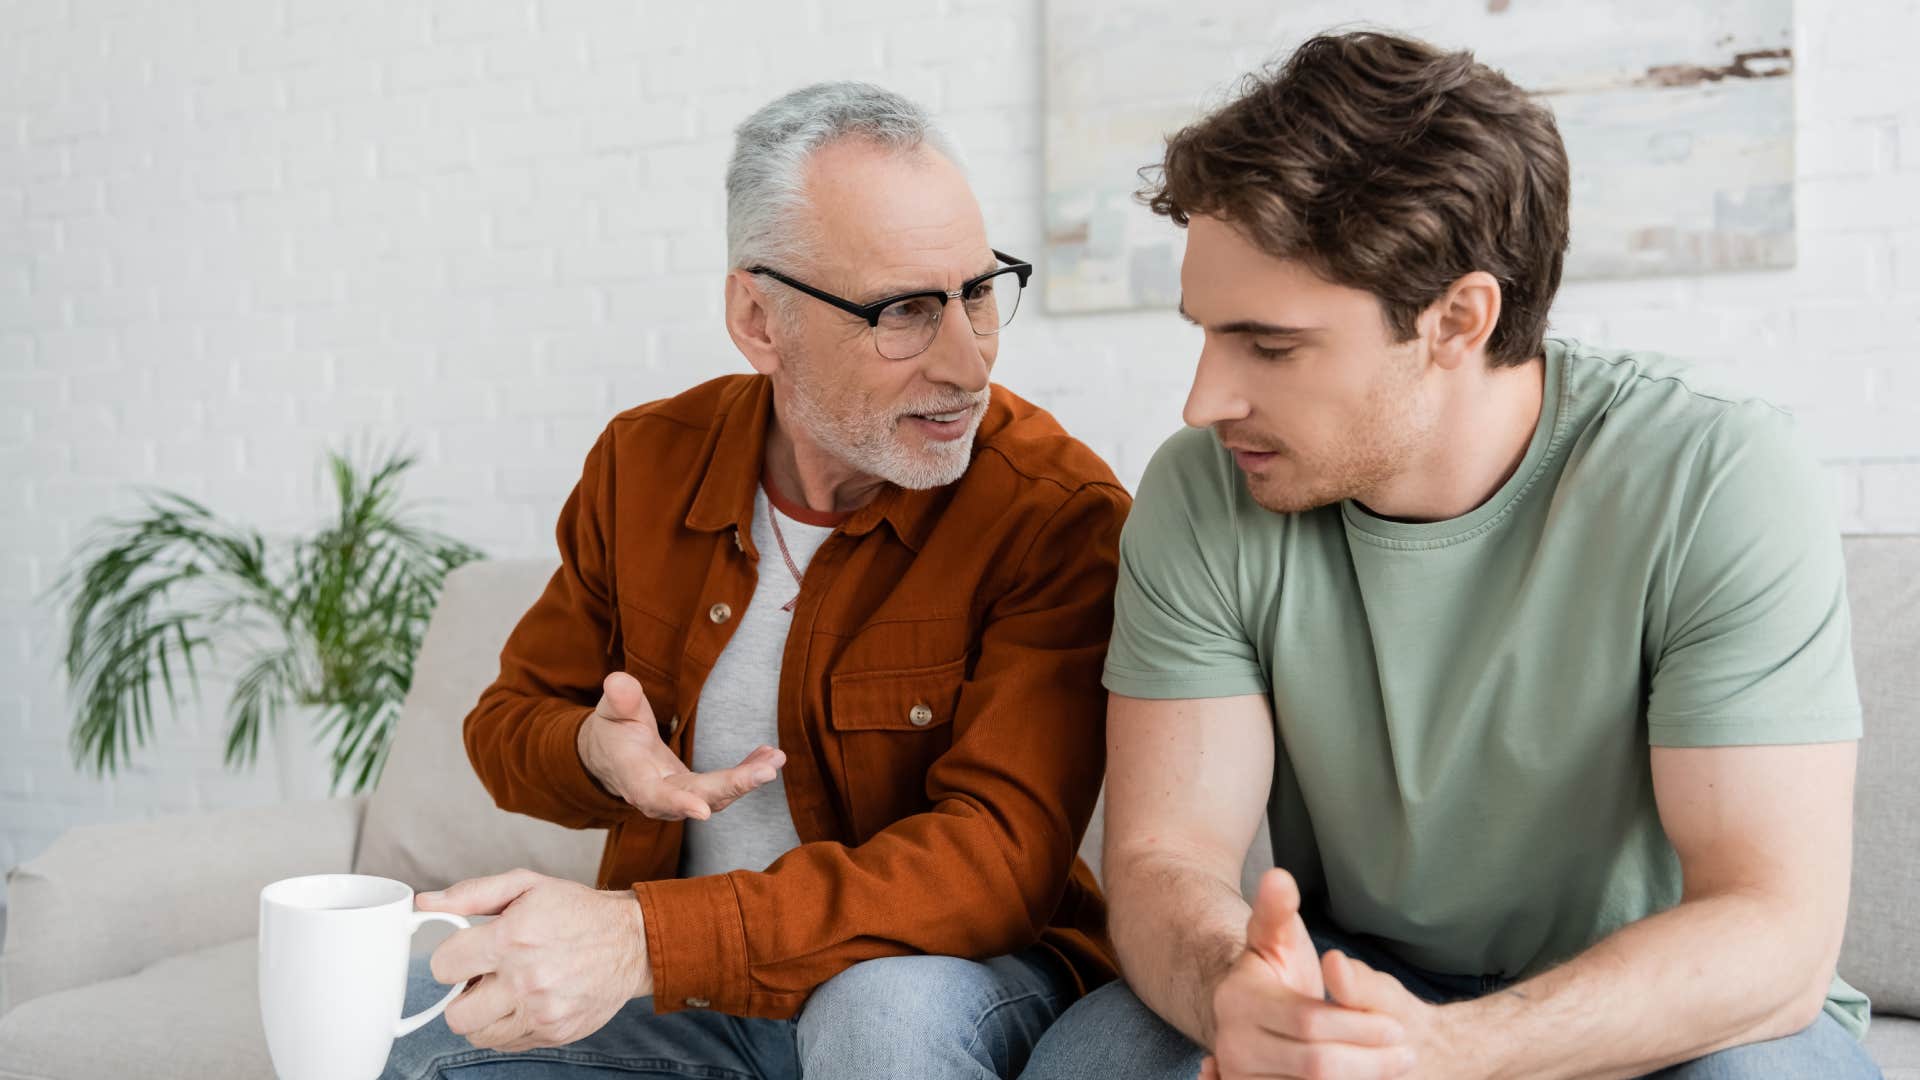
[{"x": 109, "y": 900}]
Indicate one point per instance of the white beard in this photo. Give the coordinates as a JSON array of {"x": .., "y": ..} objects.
[{"x": 873, "y": 443}]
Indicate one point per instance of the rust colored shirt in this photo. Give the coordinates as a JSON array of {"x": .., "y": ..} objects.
[{"x": 940, "y": 698}]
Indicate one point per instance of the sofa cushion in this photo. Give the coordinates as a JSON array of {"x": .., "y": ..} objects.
[
  {"x": 1882, "y": 952},
  {"x": 1894, "y": 1043},
  {"x": 196, "y": 1015},
  {"x": 187, "y": 1018},
  {"x": 430, "y": 823},
  {"x": 107, "y": 900}
]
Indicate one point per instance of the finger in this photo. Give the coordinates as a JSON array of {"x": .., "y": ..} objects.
[
  {"x": 480, "y": 1006},
  {"x": 507, "y": 1031},
  {"x": 1336, "y": 969},
  {"x": 1209, "y": 1070},
  {"x": 621, "y": 698},
  {"x": 466, "y": 954},
  {"x": 480, "y": 896},
  {"x": 766, "y": 755},
  {"x": 1306, "y": 1020},
  {"x": 662, "y": 794},
  {"x": 723, "y": 786},
  {"x": 762, "y": 763},
  {"x": 1355, "y": 985},
  {"x": 665, "y": 802},
  {"x": 761, "y": 766},
  {"x": 1251, "y": 1053},
  {"x": 1344, "y": 1060}
]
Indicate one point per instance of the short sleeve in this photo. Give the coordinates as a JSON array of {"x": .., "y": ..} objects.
[
  {"x": 1177, "y": 629},
  {"x": 1755, "y": 646}
]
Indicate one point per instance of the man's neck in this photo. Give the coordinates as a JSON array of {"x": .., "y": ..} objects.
[
  {"x": 804, "y": 473},
  {"x": 1478, "y": 444}
]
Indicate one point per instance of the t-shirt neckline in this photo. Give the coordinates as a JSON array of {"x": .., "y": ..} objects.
[
  {"x": 819, "y": 519},
  {"x": 1547, "y": 433}
]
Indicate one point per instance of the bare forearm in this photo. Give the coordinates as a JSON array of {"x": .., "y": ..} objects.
[
  {"x": 1706, "y": 975},
  {"x": 1177, "y": 927}
]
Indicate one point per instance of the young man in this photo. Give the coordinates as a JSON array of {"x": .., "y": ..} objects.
[
  {"x": 1535, "y": 653},
  {"x": 864, "y": 565}
]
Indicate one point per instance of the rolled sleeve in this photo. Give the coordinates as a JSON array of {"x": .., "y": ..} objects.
[{"x": 696, "y": 944}]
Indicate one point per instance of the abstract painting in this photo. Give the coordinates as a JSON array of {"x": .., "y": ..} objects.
[{"x": 1678, "y": 121}]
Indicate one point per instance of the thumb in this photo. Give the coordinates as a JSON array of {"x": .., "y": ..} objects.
[
  {"x": 621, "y": 698},
  {"x": 480, "y": 896},
  {"x": 1275, "y": 928}
]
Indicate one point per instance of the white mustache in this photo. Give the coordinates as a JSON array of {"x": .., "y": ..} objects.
[{"x": 937, "y": 409}]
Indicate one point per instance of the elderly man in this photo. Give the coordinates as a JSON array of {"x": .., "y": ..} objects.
[{"x": 822, "y": 655}]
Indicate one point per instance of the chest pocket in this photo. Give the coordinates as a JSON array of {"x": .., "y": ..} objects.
[{"x": 889, "y": 728}]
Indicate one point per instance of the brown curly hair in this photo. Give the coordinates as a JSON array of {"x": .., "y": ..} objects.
[{"x": 1386, "y": 165}]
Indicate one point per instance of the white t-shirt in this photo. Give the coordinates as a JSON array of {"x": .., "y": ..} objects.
[{"x": 739, "y": 708}]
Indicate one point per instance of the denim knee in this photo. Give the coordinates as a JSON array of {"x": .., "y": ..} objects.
[
  {"x": 926, "y": 1016},
  {"x": 1112, "y": 1033}
]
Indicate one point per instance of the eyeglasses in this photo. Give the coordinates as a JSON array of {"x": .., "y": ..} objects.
[{"x": 904, "y": 325}]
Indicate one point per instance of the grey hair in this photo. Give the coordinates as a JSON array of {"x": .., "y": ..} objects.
[{"x": 766, "y": 178}]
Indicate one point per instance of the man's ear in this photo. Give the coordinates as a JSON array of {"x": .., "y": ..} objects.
[
  {"x": 1458, "y": 325},
  {"x": 751, "y": 322}
]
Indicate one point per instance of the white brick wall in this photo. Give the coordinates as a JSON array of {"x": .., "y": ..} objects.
[{"x": 233, "y": 232}]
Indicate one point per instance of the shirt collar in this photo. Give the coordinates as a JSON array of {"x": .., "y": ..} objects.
[{"x": 738, "y": 444}]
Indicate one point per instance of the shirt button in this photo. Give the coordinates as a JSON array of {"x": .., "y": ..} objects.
[
  {"x": 697, "y": 1003},
  {"x": 920, "y": 716},
  {"x": 673, "y": 726},
  {"x": 738, "y": 545},
  {"x": 719, "y": 613}
]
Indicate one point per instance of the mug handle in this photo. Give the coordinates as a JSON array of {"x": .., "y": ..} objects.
[{"x": 407, "y": 1025}]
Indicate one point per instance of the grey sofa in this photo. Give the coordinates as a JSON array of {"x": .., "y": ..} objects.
[{"x": 129, "y": 949}]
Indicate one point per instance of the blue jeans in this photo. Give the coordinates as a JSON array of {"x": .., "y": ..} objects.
[
  {"x": 1111, "y": 1033},
  {"x": 905, "y": 1016}
]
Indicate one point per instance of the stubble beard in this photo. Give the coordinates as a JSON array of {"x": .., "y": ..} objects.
[{"x": 1360, "y": 463}]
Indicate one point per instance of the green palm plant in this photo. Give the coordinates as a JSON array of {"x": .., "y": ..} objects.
[{"x": 331, "y": 620}]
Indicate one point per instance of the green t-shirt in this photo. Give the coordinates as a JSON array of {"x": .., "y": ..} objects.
[{"x": 1464, "y": 707}]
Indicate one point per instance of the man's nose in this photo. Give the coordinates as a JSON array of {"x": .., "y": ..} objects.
[
  {"x": 1213, "y": 398},
  {"x": 956, "y": 357}
]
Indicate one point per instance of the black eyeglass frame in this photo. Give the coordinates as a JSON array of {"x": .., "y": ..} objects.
[{"x": 871, "y": 312}]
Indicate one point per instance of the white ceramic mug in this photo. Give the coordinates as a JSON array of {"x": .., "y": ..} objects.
[{"x": 334, "y": 950}]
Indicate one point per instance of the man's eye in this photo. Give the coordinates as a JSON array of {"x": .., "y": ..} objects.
[{"x": 1270, "y": 354}]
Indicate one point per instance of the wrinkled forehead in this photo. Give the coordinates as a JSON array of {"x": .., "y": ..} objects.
[{"x": 892, "y": 220}]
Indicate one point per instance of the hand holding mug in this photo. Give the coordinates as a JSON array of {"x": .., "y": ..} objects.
[{"x": 559, "y": 961}]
